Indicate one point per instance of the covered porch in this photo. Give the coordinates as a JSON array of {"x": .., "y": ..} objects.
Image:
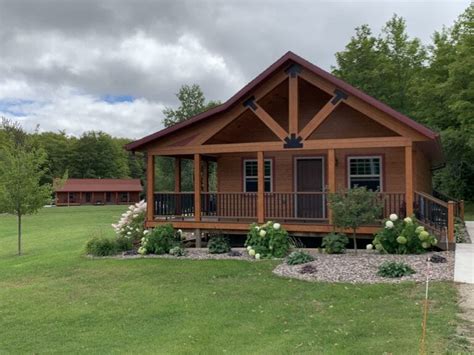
[{"x": 300, "y": 203}]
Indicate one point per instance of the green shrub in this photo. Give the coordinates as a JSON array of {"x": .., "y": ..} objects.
[
  {"x": 335, "y": 243},
  {"x": 394, "y": 269},
  {"x": 124, "y": 243},
  {"x": 101, "y": 246},
  {"x": 218, "y": 244},
  {"x": 298, "y": 257},
  {"x": 160, "y": 240},
  {"x": 403, "y": 237},
  {"x": 178, "y": 251},
  {"x": 268, "y": 240}
]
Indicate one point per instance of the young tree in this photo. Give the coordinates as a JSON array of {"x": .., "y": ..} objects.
[
  {"x": 21, "y": 170},
  {"x": 354, "y": 208},
  {"x": 192, "y": 103}
]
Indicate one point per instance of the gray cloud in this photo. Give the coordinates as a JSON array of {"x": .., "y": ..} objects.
[{"x": 59, "y": 51}]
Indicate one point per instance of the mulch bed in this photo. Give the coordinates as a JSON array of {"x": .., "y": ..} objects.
[{"x": 362, "y": 268}]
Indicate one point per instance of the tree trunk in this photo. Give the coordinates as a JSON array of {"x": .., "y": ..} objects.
[
  {"x": 355, "y": 241},
  {"x": 19, "y": 234}
]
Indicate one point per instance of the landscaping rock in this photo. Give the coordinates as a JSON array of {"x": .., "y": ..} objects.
[
  {"x": 363, "y": 267},
  {"x": 234, "y": 253},
  {"x": 308, "y": 269},
  {"x": 436, "y": 258}
]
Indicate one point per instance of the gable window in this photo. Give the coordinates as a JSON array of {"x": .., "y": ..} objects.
[
  {"x": 365, "y": 171},
  {"x": 251, "y": 175}
]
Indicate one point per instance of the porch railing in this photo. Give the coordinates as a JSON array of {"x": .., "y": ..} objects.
[
  {"x": 174, "y": 204},
  {"x": 284, "y": 206},
  {"x": 303, "y": 206},
  {"x": 393, "y": 202},
  {"x": 435, "y": 215},
  {"x": 236, "y": 205}
]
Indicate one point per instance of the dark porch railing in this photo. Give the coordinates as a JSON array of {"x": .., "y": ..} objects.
[
  {"x": 174, "y": 204},
  {"x": 303, "y": 206},
  {"x": 393, "y": 202},
  {"x": 229, "y": 204},
  {"x": 431, "y": 211}
]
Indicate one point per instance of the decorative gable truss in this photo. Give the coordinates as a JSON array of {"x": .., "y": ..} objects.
[{"x": 295, "y": 136}]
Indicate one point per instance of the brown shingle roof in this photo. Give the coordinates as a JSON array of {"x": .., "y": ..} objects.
[
  {"x": 101, "y": 185},
  {"x": 283, "y": 61}
]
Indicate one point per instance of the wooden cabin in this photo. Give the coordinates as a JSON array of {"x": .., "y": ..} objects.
[
  {"x": 282, "y": 143},
  {"x": 75, "y": 192}
]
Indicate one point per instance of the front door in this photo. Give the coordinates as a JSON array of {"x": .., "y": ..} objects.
[{"x": 309, "y": 187}]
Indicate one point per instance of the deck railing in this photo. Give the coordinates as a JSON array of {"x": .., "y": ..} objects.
[
  {"x": 437, "y": 215},
  {"x": 393, "y": 202},
  {"x": 235, "y": 205},
  {"x": 302, "y": 206},
  {"x": 174, "y": 204}
]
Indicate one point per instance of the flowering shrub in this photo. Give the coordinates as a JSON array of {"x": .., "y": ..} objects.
[
  {"x": 268, "y": 240},
  {"x": 132, "y": 223},
  {"x": 403, "y": 237},
  {"x": 160, "y": 240}
]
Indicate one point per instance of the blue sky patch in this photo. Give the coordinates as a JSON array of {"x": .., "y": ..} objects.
[
  {"x": 14, "y": 106},
  {"x": 113, "y": 99}
]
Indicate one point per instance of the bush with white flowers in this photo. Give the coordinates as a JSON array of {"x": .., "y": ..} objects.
[
  {"x": 161, "y": 240},
  {"x": 267, "y": 240},
  {"x": 402, "y": 236},
  {"x": 132, "y": 223}
]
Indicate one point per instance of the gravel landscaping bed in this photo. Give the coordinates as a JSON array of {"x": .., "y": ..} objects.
[
  {"x": 362, "y": 268},
  {"x": 194, "y": 254}
]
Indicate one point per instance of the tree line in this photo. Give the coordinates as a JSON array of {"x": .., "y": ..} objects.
[{"x": 432, "y": 84}]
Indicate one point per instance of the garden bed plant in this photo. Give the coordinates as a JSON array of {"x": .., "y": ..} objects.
[
  {"x": 403, "y": 236},
  {"x": 268, "y": 240}
]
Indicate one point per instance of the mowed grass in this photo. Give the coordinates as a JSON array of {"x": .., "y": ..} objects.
[
  {"x": 469, "y": 211},
  {"x": 54, "y": 299}
]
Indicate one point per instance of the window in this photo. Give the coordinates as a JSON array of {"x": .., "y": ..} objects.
[
  {"x": 251, "y": 175},
  {"x": 365, "y": 171},
  {"x": 124, "y": 197}
]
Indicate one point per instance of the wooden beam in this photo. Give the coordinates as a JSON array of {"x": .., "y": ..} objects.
[
  {"x": 320, "y": 116},
  {"x": 373, "y": 142},
  {"x": 409, "y": 180},
  {"x": 293, "y": 104},
  {"x": 365, "y": 108},
  {"x": 177, "y": 174},
  {"x": 266, "y": 118},
  {"x": 235, "y": 112},
  {"x": 261, "y": 187},
  {"x": 331, "y": 176},
  {"x": 245, "y": 226},
  {"x": 150, "y": 187},
  {"x": 197, "y": 187}
]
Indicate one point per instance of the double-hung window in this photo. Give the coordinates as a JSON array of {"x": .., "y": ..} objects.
[
  {"x": 251, "y": 175},
  {"x": 365, "y": 171}
]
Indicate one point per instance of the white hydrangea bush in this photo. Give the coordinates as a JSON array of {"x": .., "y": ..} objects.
[
  {"x": 267, "y": 240},
  {"x": 132, "y": 223}
]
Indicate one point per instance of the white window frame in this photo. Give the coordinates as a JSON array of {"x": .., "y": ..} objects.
[
  {"x": 379, "y": 175},
  {"x": 244, "y": 173}
]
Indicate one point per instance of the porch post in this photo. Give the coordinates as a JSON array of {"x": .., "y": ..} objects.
[
  {"x": 150, "y": 187},
  {"x": 331, "y": 178},
  {"x": 197, "y": 187},
  {"x": 409, "y": 179},
  {"x": 450, "y": 235},
  {"x": 261, "y": 188}
]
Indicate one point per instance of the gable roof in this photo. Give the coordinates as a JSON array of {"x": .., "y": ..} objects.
[
  {"x": 284, "y": 60},
  {"x": 101, "y": 185}
]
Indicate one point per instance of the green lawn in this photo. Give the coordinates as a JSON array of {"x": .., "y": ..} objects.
[
  {"x": 469, "y": 211},
  {"x": 53, "y": 299}
]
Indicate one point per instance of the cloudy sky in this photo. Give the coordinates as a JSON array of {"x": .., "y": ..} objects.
[{"x": 114, "y": 65}]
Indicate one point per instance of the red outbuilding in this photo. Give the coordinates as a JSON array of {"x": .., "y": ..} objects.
[{"x": 76, "y": 192}]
